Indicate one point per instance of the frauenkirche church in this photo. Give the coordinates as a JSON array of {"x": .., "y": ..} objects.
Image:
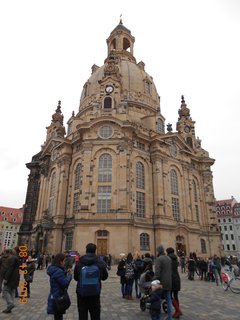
[{"x": 120, "y": 177}]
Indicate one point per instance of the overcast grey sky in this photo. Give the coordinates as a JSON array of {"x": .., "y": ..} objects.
[{"x": 188, "y": 47}]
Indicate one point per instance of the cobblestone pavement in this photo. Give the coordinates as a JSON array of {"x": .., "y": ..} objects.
[{"x": 199, "y": 300}]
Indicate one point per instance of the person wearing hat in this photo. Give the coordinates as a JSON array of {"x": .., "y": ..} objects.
[
  {"x": 29, "y": 275},
  {"x": 176, "y": 283},
  {"x": 163, "y": 273},
  {"x": 155, "y": 299}
]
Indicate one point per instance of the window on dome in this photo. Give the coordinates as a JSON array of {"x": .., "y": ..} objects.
[
  {"x": 113, "y": 45},
  {"x": 189, "y": 142},
  {"x": 147, "y": 86},
  {"x": 107, "y": 103},
  {"x": 126, "y": 44},
  {"x": 160, "y": 126}
]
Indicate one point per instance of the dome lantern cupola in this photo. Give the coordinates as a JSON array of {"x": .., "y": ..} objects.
[{"x": 121, "y": 42}]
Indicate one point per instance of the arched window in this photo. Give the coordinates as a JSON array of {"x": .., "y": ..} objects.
[
  {"x": 174, "y": 182},
  {"x": 189, "y": 142},
  {"x": 77, "y": 177},
  {"x": 69, "y": 239},
  {"x": 113, "y": 45},
  {"x": 160, "y": 125},
  {"x": 104, "y": 199},
  {"x": 107, "y": 103},
  {"x": 195, "y": 196},
  {"x": 52, "y": 194},
  {"x": 140, "y": 178},
  {"x": 105, "y": 168},
  {"x": 102, "y": 233},
  {"x": 144, "y": 242},
  {"x": 195, "y": 191},
  {"x": 203, "y": 246},
  {"x": 140, "y": 204},
  {"x": 53, "y": 185},
  {"x": 77, "y": 183},
  {"x": 126, "y": 44},
  {"x": 147, "y": 86},
  {"x": 174, "y": 191}
]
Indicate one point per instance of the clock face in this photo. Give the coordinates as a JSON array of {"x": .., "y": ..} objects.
[
  {"x": 109, "y": 89},
  {"x": 187, "y": 129}
]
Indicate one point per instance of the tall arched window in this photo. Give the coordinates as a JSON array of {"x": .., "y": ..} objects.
[
  {"x": 195, "y": 197},
  {"x": 144, "y": 241},
  {"x": 160, "y": 125},
  {"x": 77, "y": 177},
  {"x": 77, "y": 182},
  {"x": 105, "y": 168},
  {"x": 203, "y": 246},
  {"x": 174, "y": 182},
  {"x": 69, "y": 240},
  {"x": 107, "y": 103},
  {"x": 104, "y": 175},
  {"x": 140, "y": 178},
  {"x": 195, "y": 191},
  {"x": 52, "y": 194},
  {"x": 174, "y": 192},
  {"x": 189, "y": 141}
]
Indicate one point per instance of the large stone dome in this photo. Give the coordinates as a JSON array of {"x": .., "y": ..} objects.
[{"x": 122, "y": 72}]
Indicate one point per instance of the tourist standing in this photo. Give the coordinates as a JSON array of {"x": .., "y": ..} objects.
[
  {"x": 121, "y": 273},
  {"x": 163, "y": 273},
  {"x": 11, "y": 280},
  {"x": 59, "y": 282},
  {"x": 30, "y": 272},
  {"x": 176, "y": 282},
  {"x": 88, "y": 294}
]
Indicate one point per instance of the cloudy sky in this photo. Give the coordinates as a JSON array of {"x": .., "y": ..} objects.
[{"x": 188, "y": 47}]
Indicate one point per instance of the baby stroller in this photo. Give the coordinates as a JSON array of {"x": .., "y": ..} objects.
[{"x": 145, "y": 289}]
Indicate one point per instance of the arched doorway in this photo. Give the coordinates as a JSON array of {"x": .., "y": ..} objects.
[
  {"x": 102, "y": 242},
  {"x": 180, "y": 245}
]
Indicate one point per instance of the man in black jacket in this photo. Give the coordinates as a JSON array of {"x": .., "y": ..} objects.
[
  {"x": 11, "y": 280},
  {"x": 89, "y": 303}
]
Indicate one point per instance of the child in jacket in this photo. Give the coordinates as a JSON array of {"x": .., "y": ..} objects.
[{"x": 155, "y": 299}]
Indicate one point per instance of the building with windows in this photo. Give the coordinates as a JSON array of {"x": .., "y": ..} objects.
[
  {"x": 228, "y": 214},
  {"x": 120, "y": 177},
  {"x": 10, "y": 222}
]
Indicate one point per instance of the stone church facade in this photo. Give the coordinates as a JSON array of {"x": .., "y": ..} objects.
[{"x": 120, "y": 177}]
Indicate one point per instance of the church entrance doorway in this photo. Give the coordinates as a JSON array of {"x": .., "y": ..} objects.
[
  {"x": 180, "y": 245},
  {"x": 102, "y": 247}
]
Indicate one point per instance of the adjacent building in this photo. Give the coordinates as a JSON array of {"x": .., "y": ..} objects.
[
  {"x": 10, "y": 222},
  {"x": 119, "y": 176},
  {"x": 228, "y": 214}
]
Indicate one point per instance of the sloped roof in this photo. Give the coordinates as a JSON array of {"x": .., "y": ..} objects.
[{"x": 13, "y": 215}]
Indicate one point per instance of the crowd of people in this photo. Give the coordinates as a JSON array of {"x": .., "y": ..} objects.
[
  {"x": 145, "y": 277},
  {"x": 137, "y": 273}
]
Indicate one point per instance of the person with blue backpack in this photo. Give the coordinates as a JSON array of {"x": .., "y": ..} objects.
[{"x": 88, "y": 272}]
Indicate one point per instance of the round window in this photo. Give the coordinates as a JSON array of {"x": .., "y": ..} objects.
[{"x": 105, "y": 132}]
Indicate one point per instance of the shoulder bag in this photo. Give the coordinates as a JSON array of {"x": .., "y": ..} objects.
[{"x": 62, "y": 303}]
